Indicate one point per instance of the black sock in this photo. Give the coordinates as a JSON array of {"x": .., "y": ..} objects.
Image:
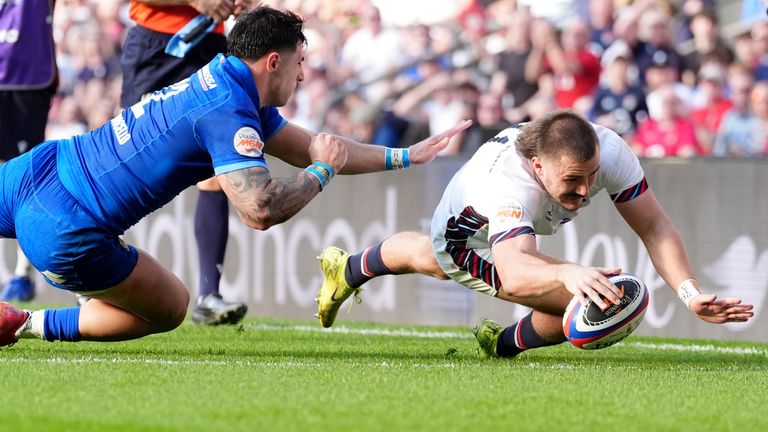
[
  {"x": 211, "y": 231},
  {"x": 365, "y": 266},
  {"x": 519, "y": 337}
]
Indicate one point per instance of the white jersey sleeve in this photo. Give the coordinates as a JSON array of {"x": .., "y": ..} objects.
[{"x": 620, "y": 172}]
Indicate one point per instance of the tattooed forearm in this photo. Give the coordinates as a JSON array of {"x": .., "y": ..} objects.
[{"x": 262, "y": 201}]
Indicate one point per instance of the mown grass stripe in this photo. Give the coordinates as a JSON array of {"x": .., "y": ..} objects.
[{"x": 455, "y": 335}]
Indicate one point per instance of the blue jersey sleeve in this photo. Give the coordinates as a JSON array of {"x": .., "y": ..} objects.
[
  {"x": 235, "y": 137},
  {"x": 271, "y": 121}
]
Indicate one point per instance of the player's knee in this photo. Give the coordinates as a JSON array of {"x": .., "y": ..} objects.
[
  {"x": 176, "y": 311},
  {"x": 440, "y": 275}
]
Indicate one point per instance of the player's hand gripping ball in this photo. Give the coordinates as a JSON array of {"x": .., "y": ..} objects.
[{"x": 589, "y": 327}]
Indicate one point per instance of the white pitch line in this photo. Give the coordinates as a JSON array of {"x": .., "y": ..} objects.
[
  {"x": 699, "y": 348},
  {"x": 468, "y": 335}
]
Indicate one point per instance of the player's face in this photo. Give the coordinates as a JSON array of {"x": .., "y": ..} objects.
[
  {"x": 290, "y": 73},
  {"x": 567, "y": 180}
]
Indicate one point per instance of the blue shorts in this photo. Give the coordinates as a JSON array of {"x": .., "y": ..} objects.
[{"x": 59, "y": 236}]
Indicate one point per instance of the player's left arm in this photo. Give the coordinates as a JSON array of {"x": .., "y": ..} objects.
[
  {"x": 291, "y": 145},
  {"x": 667, "y": 251}
]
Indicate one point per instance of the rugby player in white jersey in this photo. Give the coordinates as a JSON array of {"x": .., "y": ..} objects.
[{"x": 527, "y": 181}]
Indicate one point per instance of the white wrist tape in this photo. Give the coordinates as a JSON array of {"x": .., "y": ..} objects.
[{"x": 687, "y": 291}]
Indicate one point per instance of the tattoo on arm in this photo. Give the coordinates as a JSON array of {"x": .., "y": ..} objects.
[{"x": 262, "y": 201}]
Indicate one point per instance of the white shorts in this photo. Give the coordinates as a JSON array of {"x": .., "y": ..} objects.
[{"x": 477, "y": 269}]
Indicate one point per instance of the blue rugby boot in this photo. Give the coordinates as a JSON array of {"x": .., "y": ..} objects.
[{"x": 19, "y": 288}]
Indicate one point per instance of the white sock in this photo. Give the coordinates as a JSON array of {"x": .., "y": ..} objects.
[
  {"x": 23, "y": 266},
  {"x": 34, "y": 326}
]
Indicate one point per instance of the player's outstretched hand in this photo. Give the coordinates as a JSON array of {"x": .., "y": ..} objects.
[
  {"x": 425, "y": 151},
  {"x": 329, "y": 149},
  {"x": 590, "y": 283},
  {"x": 708, "y": 308}
]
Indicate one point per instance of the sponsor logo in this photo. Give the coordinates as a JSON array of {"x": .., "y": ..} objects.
[
  {"x": 206, "y": 78},
  {"x": 510, "y": 212},
  {"x": 248, "y": 142},
  {"x": 120, "y": 129}
]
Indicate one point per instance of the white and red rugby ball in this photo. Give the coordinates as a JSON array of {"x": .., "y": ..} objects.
[{"x": 588, "y": 327}]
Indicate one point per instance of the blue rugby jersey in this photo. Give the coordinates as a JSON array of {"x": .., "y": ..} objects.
[{"x": 208, "y": 124}]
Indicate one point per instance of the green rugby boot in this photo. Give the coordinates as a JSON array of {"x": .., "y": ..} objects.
[
  {"x": 335, "y": 289},
  {"x": 487, "y": 334}
]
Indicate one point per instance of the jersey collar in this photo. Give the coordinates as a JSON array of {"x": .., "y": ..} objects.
[{"x": 243, "y": 76}]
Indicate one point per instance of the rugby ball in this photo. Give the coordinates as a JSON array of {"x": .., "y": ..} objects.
[{"x": 588, "y": 327}]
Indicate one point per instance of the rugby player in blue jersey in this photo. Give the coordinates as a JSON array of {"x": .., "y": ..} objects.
[{"x": 67, "y": 202}]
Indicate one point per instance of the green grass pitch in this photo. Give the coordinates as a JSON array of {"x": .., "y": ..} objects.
[{"x": 278, "y": 375}]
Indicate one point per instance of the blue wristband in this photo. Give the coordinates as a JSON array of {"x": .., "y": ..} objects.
[
  {"x": 320, "y": 176},
  {"x": 398, "y": 158},
  {"x": 326, "y": 167}
]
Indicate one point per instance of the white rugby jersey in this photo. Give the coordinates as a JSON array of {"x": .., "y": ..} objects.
[{"x": 496, "y": 196}]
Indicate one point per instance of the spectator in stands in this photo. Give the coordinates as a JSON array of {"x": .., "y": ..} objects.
[
  {"x": 417, "y": 51},
  {"x": 662, "y": 73},
  {"x": 685, "y": 16},
  {"x": 94, "y": 57},
  {"x": 371, "y": 53},
  {"x": 510, "y": 80},
  {"x": 713, "y": 106},
  {"x": 669, "y": 132},
  {"x": 575, "y": 71},
  {"x": 657, "y": 47},
  {"x": 758, "y": 100},
  {"x": 67, "y": 119},
  {"x": 437, "y": 101},
  {"x": 741, "y": 133},
  {"x": 626, "y": 23},
  {"x": 707, "y": 44},
  {"x": 488, "y": 121},
  {"x": 744, "y": 51},
  {"x": 759, "y": 35},
  {"x": 601, "y": 14},
  {"x": 618, "y": 104}
]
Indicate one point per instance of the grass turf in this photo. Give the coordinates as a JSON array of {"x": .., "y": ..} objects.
[{"x": 280, "y": 375}]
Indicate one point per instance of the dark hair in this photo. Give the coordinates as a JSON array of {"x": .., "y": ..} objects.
[
  {"x": 556, "y": 133},
  {"x": 262, "y": 30}
]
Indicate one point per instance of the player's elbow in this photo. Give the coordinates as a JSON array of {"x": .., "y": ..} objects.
[
  {"x": 258, "y": 219},
  {"x": 258, "y": 223}
]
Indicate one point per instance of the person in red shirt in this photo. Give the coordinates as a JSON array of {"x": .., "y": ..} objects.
[
  {"x": 575, "y": 70},
  {"x": 707, "y": 118},
  {"x": 668, "y": 132}
]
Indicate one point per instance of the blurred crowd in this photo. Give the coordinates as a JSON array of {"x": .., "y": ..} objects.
[{"x": 660, "y": 73}]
